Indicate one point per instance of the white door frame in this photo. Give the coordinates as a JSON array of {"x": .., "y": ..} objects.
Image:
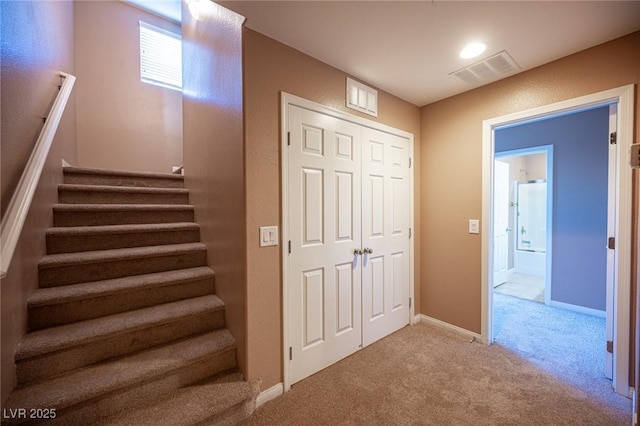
[
  {"x": 624, "y": 97},
  {"x": 611, "y": 227},
  {"x": 287, "y": 99}
]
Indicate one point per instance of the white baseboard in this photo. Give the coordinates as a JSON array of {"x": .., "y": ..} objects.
[
  {"x": 450, "y": 327},
  {"x": 272, "y": 393},
  {"x": 579, "y": 309}
]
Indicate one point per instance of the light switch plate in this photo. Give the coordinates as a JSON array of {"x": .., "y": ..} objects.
[
  {"x": 474, "y": 226},
  {"x": 268, "y": 236}
]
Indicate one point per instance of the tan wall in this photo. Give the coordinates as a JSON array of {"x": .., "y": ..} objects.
[
  {"x": 213, "y": 154},
  {"x": 123, "y": 123},
  {"x": 451, "y": 171},
  {"x": 269, "y": 68},
  {"x": 37, "y": 42}
]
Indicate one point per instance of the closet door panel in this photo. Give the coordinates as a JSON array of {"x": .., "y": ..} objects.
[
  {"x": 385, "y": 238},
  {"x": 324, "y": 178}
]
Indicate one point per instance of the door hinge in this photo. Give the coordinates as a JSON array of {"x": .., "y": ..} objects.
[
  {"x": 290, "y": 353},
  {"x": 288, "y": 138},
  {"x": 613, "y": 138},
  {"x": 610, "y": 346},
  {"x": 409, "y": 302},
  {"x": 409, "y": 162},
  {"x": 289, "y": 246},
  {"x": 611, "y": 243},
  {"x": 409, "y": 233}
]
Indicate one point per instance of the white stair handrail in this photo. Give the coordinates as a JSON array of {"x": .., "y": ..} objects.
[{"x": 20, "y": 203}]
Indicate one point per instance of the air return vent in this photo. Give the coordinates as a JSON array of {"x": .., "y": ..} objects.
[
  {"x": 362, "y": 98},
  {"x": 489, "y": 69}
]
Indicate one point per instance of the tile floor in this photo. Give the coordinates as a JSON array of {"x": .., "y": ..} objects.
[{"x": 528, "y": 287}]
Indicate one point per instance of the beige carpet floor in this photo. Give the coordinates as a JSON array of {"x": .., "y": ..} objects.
[{"x": 424, "y": 375}]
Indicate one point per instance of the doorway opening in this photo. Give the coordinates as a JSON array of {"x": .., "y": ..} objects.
[
  {"x": 565, "y": 344},
  {"x": 623, "y": 98},
  {"x": 523, "y": 206}
]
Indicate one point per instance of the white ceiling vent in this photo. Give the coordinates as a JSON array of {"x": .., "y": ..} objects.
[
  {"x": 362, "y": 98},
  {"x": 492, "y": 68}
]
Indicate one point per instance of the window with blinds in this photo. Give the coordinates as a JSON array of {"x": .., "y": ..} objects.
[{"x": 160, "y": 57}]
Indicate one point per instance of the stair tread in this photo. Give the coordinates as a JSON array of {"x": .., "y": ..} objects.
[
  {"x": 90, "y": 382},
  {"x": 61, "y": 337},
  {"x": 124, "y": 189},
  {"x": 75, "y": 292},
  {"x": 96, "y": 171},
  {"x": 111, "y": 255},
  {"x": 64, "y": 231},
  {"x": 192, "y": 404},
  {"x": 121, "y": 207}
]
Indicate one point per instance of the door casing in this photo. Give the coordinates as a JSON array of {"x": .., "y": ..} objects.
[
  {"x": 624, "y": 98},
  {"x": 287, "y": 99}
]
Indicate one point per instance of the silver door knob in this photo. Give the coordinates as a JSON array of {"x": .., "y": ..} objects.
[
  {"x": 368, "y": 250},
  {"x": 357, "y": 252}
]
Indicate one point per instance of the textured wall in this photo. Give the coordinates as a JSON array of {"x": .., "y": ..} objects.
[
  {"x": 123, "y": 123},
  {"x": 451, "y": 169},
  {"x": 271, "y": 67},
  {"x": 213, "y": 152},
  {"x": 580, "y": 176},
  {"x": 37, "y": 43}
]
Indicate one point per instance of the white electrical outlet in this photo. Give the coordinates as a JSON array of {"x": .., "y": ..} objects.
[{"x": 268, "y": 236}]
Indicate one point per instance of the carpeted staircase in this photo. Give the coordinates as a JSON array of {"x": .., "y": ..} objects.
[{"x": 126, "y": 328}]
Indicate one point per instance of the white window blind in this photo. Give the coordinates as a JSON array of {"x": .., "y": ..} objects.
[{"x": 160, "y": 57}]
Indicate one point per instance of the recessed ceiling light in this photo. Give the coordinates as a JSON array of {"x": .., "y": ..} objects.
[{"x": 472, "y": 50}]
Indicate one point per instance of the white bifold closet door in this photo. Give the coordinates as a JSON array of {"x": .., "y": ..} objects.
[{"x": 348, "y": 190}]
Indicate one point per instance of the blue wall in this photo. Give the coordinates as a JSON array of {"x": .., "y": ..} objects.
[{"x": 580, "y": 151}]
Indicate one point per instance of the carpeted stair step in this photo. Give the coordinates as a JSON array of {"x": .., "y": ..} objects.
[
  {"x": 50, "y": 307},
  {"x": 119, "y": 214},
  {"x": 87, "y": 395},
  {"x": 100, "y": 194},
  {"x": 56, "y": 350},
  {"x": 85, "y": 238},
  {"x": 126, "y": 322},
  {"x": 89, "y": 176},
  {"x": 223, "y": 401},
  {"x": 72, "y": 268}
]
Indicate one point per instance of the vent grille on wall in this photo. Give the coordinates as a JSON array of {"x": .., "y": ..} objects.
[
  {"x": 492, "y": 68},
  {"x": 362, "y": 98}
]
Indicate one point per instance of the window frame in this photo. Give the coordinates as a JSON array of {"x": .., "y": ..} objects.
[{"x": 161, "y": 74}]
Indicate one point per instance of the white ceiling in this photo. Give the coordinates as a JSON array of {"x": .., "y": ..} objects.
[
  {"x": 409, "y": 48},
  {"x": 169, "y": 9}
]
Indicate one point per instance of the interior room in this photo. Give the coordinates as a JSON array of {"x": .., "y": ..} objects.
[
  {"x": 317, "y": 196},
  {"x": 525, "y": 202},
  {"x": 550, "y": 329}
]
